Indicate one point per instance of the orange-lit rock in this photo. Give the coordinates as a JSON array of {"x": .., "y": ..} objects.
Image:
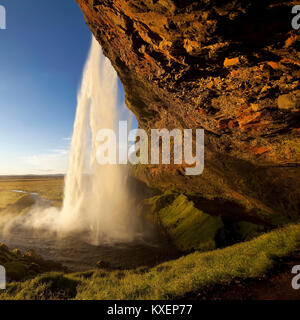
[
  {"x": 229, "y": 67},
  {"x": 231, "y": 62}
]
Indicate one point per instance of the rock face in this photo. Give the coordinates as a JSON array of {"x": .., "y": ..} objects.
[
  {"x": 21, "y": 266},
  {"x": 230, "y": 67}
]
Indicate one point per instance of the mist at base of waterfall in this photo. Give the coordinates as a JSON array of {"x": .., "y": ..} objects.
[
  {"x": 75, "y": 250},
  {"x": 30, "y": 225}
]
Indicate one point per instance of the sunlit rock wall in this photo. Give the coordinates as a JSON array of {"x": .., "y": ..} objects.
[{"x": 230, "y": 67}]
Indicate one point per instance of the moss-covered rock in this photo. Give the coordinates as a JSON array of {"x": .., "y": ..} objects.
[
  {"x": 192, "y": 225},
  {"x": 21, "y": 266},
  {"x": 189, "y": 228}
]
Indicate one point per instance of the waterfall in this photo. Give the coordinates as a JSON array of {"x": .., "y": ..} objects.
[
  {"x": 97, "y": 205},
  {"x": 96, "y": 196}
]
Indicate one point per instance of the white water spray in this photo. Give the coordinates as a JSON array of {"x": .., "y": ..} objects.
[{"x": 96, "y": 196}]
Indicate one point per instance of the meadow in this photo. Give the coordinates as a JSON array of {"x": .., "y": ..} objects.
[{"x": 48, "y": 187}]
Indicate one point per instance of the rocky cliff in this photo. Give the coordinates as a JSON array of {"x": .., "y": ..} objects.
[{"x": 230, "y": 67}]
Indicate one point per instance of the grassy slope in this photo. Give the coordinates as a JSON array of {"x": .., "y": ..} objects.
[{"x": 168, "y": 280}]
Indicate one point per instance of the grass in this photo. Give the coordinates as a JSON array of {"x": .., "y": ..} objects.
[
  {"x": 168, "y": 280},
  {"x": 48, "y": 188}
]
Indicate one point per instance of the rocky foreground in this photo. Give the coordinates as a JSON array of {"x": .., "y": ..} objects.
[{"x": 21, "y": 266}]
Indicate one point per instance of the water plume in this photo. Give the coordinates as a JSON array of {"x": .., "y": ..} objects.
[{"x": 96, "y": 196}]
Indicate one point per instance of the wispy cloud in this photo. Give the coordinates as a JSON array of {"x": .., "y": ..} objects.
[
  {"x": 60, "y": 151},
  {"x": 54, "y": 161}
]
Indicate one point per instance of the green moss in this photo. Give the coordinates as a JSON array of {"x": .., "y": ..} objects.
[
  {"x": 189, "y": 228},
  {"x": 150, "y": 207},
  {"x": 21, "y": 266}
]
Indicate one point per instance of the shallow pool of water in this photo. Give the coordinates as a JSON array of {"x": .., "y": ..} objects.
[{"x": 77, "y": 254}]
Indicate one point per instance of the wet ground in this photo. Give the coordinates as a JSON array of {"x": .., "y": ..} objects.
[{"x": 78, "y": 255}]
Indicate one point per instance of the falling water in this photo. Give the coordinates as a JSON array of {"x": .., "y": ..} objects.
[{"x": 96, "y": 196}]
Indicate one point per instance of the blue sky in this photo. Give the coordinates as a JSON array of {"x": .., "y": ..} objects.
[{"x": 42, "y": 54}]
